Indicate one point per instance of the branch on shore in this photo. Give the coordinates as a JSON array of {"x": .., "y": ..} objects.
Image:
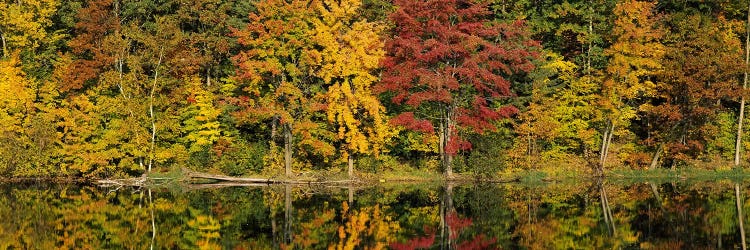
[
  {"x": 131, "y": 182},
  {"x": 228, "y": 180}
]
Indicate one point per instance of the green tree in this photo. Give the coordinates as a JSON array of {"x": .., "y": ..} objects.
[{"x": 559, "y": 120}]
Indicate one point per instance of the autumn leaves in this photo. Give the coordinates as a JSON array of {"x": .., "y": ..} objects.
[
  {"x": 320, "y": 57},
  {"x": 446, "y": 66},
  {"x": 310, "y": 67},
  {"x": 104, "y": 88}
]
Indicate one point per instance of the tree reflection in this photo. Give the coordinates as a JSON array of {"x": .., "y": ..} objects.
[{"x": 598, "y": 215}]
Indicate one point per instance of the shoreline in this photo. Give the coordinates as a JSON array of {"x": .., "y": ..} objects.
[{"x": 526, "y": 176}]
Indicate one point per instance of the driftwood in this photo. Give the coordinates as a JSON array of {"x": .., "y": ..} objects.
[
  {"x": 191, "y": 177},
  {"x": 130, "y": 182},
  {"x": 228, "y": 180},
  {"x": 193, "y": 187}
]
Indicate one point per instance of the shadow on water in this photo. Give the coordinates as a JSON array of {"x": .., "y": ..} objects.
[{"x": 589, "y": 215}]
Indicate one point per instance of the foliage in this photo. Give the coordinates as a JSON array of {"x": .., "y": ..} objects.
[
  {"x": 110, "y": 88},
  {"x": 445, "y": 66},
  {"x": 559, "y": 120}
]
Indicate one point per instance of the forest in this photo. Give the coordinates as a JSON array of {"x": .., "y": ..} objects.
[{"x": 117, "y": 88}]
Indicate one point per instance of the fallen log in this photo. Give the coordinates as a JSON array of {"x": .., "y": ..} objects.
[
  {"x": 132, "y": 182},
  {"x": 228, "y": 178},
  {"x": 193, "y": 187},
  {"x": 189, "y": 174}
]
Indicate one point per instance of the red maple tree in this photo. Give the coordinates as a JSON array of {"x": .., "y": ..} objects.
[{"x": 448, "y": 64}]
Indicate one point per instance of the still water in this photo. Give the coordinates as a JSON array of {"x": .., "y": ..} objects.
[{"x": 588, "y": 215}]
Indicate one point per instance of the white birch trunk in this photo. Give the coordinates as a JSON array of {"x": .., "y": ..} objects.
[{"x": 738, "y": 144}]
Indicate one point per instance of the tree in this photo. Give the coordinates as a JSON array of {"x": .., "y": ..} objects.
[
  {"x": 702, "y": 61},
  {"x": 16, "y": 107},
  {"x": 451, "y": 69},
  {"x": 23, "y": 23},
  {"x": 738, "y": 144},
  {"x": 126, "y": 56},
  {"x": 350, "y": 50},
  {"x": 559, "y": 119},
  {"x": 199, "y": 118},
  {"x": 275, "y": 69},
  {"x": 635, "y": 57},
  {"x": 303, "y": 58}
]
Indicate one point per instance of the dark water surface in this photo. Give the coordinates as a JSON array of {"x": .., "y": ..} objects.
[{"x": 588, "y": 215}]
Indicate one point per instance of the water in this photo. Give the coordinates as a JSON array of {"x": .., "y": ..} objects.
[{"x": 588, "y": 215}]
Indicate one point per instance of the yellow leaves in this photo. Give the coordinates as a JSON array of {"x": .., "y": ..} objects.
[
  {"x": 420, "y": 142},
  {"x": 306, "y": 57},
  {"x": 207, "y": 231},
  {"x": 559, "y": 120},
  {"x": 637, "y": 50},
  {"x": 339, "y": 11},
  {"x": 23, "y": 23},
  {"x": 349, "y": 53},
  {"x": 16, "y": 95},
  {"x": 367, "y": 228},
  {"x": 200, "y": 117}
]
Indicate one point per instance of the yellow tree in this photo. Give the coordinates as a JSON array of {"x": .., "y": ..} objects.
[
  {"x": 16, "y": 95},
  {"x": 16, "y": 102},
  {"x": 635, "y": 55},
  {"x": 368, "y": 228},
  {"x": 199, "y": 117},
  {"x": 23, "y": 23},
  {"x": 351, "y": 49},
  {"x": 275, "y": 73},
  {"x": 559, "y": 120}
]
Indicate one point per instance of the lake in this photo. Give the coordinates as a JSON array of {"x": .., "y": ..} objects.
[{"x": 583, "y": 215}]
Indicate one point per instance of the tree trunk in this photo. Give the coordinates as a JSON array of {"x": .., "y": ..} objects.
[
  {"x": 591, "y": 42},
  {"x": 604, "y": 207},
  {"x": 208, "y": 77},
  {"x": 445, "y": 211},
  {"x": 441, "y": 142},
  {"x": 288, "y": 214},
  {"x": 606, "y": 140},
  {"x": 739, "y": 214},
  {"x": 655, "y": 191},
  {"x": 738, "y": 145},
  {"x": 657, "y": 154},
  {"x": 5, "y": 48},
  {"x": 446, "y": 126},
  {"x": 274, "y": 124},
  {"x": 288, "y": 140},
  {"x": 351, "y": 194},
  {"x": 151, "y": 111},
  {"x": 607, "y": 210},
  {"x": 609, "y": 143},
  {"x": 599, "y": 168},
  {"x": 153, "y": 221},
  {"x": 351, "y": 166},
  {"x": 274, "y": 232}
]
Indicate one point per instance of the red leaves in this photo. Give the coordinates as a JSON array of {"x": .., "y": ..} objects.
[
  {"x": 456, "y": 144},
  {"x": 408, "y": 121},
  {"x": 444, "y": 55},
  {"x": 95, "y": 22},
  {"x": 416, "y": 243},
  {"x": 191, "y": 99},
  {"x": 479, "y": 242},
  {"x": 456, "y": 225}
]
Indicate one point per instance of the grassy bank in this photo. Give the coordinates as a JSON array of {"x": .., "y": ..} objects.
[{"x": 414, "y": 175}]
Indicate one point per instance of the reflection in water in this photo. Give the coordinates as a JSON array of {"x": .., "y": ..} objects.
[
  {"x": 739, "y": 214},
  {"x": 596, "y": 215}
]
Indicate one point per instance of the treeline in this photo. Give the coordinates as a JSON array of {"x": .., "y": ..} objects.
[{"x": 105, "y": 88}]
